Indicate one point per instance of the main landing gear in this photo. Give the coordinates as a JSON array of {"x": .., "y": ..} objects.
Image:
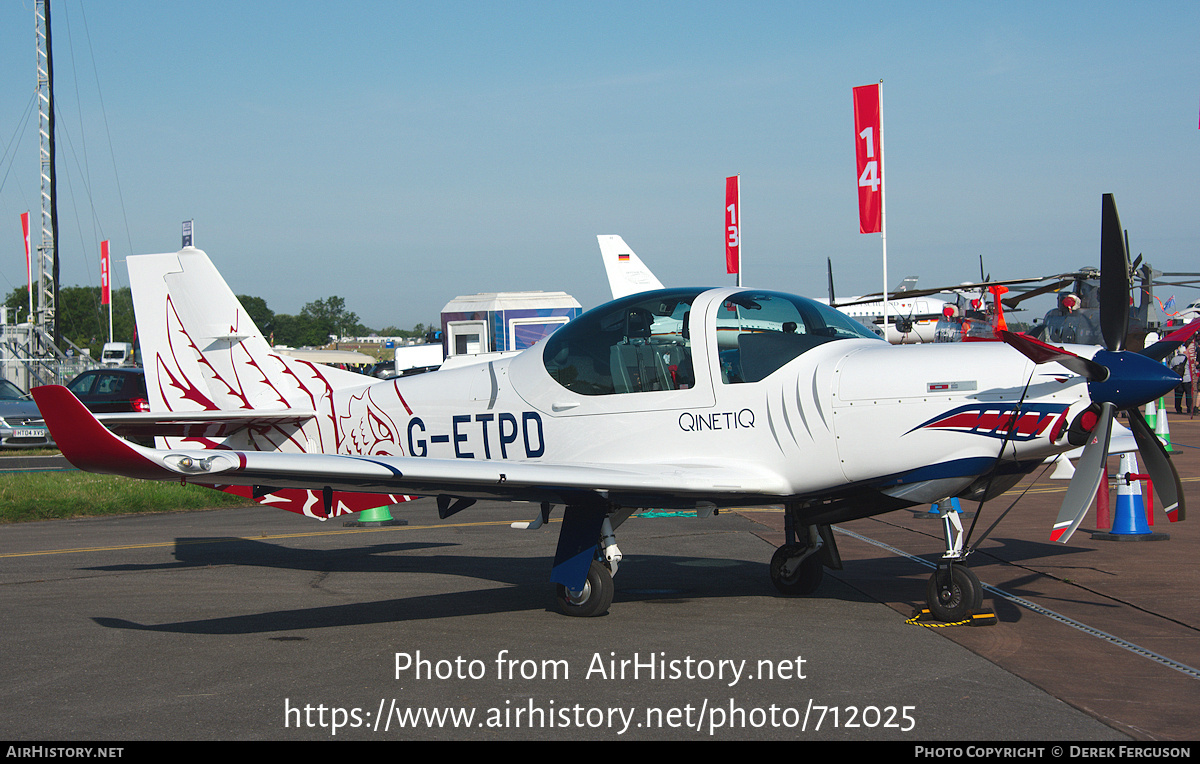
[
  {"x": 584, "y": 567},
  {"x": 595, "y": 596},
  {"x": 798, "y": 567}
]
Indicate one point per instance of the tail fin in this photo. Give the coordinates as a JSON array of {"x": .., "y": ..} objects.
[
  {"x": 626, "y": 272},
  {"x": 202, "y": 352}
]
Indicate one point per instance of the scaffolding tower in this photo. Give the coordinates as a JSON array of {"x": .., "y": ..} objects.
[{"x": 45, "y": 316}]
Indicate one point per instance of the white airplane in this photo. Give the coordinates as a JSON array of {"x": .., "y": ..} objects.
[
  {"x": 916, "y": 315},
  {"x": 910, "y": 321},
  {"x": 679, "y": 398}
]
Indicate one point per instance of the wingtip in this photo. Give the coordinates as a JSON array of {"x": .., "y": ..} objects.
[{"x": 85, "y": 442}]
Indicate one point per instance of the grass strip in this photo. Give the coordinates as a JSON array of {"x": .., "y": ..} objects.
[{"x": 26, "y": 496}]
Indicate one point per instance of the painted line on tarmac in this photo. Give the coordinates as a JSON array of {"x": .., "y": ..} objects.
[
  {"x": 157, "y": 544},
  {"x": 1182, "y": 668},
  {"x": 263, "y": 537}
]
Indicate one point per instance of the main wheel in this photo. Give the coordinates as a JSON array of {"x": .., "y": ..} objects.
[
  {"x": 593, "y": 599},
  {"x": 954, "y": 593},
  {"x": 805, "y": 579}
]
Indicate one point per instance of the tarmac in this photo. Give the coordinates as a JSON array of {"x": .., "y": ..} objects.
[
  {"x": 1109, "y": 627},
  {"x": 255, "y": 624}
]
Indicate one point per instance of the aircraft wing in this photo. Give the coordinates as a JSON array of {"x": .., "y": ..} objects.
[
  {"x": 91, "y": 447},
  {"x": 911, "y": 294}
]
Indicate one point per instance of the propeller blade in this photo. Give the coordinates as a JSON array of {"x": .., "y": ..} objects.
[
  {"x": 1167, "y": 487},
  {"x": 1043, "y": 352},
  {"x": 1114, "y": 277},
  {"x": 1054, "y": 286},
  {"x": 1092, "y": 468}
]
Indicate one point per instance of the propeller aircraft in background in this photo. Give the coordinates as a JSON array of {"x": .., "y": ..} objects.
[{"x": 672, "y": 398}]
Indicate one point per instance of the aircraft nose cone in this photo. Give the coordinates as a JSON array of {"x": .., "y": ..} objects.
[{"x": 1133, "y": 379}]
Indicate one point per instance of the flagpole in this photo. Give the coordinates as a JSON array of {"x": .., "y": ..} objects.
[{"x": 883, "y": 212}]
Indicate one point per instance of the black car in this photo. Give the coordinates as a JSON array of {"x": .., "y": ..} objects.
[{"x": 106, "y": 391}]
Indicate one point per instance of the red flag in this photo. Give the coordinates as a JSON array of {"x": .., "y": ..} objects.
[
  {"x": 868, "y": 148},
  {"x": 28, "y": 261},
  {"x": 733, "y": 226},
  {"x": 104, "y": 288}
]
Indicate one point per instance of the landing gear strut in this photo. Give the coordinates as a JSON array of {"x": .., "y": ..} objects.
[
  {"x": 954, "y": 593},
  {"x": 586, "y": 559}
]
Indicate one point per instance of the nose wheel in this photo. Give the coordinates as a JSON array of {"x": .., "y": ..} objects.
[{"x": 954, "y": 593}]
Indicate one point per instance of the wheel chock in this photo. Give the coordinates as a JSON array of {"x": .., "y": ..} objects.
[{"x": 922, "y": 617}]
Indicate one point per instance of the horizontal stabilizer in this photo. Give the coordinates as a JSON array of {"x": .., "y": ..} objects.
[{"x": 197, "y": 424}]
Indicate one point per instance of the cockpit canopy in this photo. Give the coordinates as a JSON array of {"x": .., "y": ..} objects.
[{"x": 643, "y": 342}]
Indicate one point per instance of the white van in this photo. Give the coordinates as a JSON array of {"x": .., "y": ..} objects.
[{"x": 117, "y": 354}]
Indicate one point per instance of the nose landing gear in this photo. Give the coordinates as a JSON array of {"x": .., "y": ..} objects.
[{"x": 954, "y": 592}]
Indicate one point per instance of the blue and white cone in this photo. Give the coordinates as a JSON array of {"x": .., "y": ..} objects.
[{"x": 1130, "y": 515}]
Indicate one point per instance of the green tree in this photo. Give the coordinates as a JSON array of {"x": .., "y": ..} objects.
[
  {"x": 82, "y": 319},
  {"x": 331, "y": 315},
  {"x": 298, "y": 331},
  {"x": 262, "y": 316}
]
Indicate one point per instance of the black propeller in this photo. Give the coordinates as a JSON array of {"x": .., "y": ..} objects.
[
  {"x": 1117, "y": 380},
  {"x": 1114, "y": 278}
]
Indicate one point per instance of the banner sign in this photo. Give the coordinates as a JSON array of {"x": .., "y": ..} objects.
[
  {"x": 104, "y": 284},
  {"x": 733, "y": 227},
  {"x": 868, "y": 148},
  {"x": 28, "y": 259}
]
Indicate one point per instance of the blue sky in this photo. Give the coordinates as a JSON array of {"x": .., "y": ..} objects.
[{"x": 399, "y": 154}]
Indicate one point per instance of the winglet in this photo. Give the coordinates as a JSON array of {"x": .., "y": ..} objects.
[{"x": 85, "y": 442}]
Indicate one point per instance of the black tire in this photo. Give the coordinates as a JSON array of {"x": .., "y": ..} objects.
[
  {"x": 955, "y": 596},
  {"x": 594, "y": 599},
  {"x": 805, "y": 580}
]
